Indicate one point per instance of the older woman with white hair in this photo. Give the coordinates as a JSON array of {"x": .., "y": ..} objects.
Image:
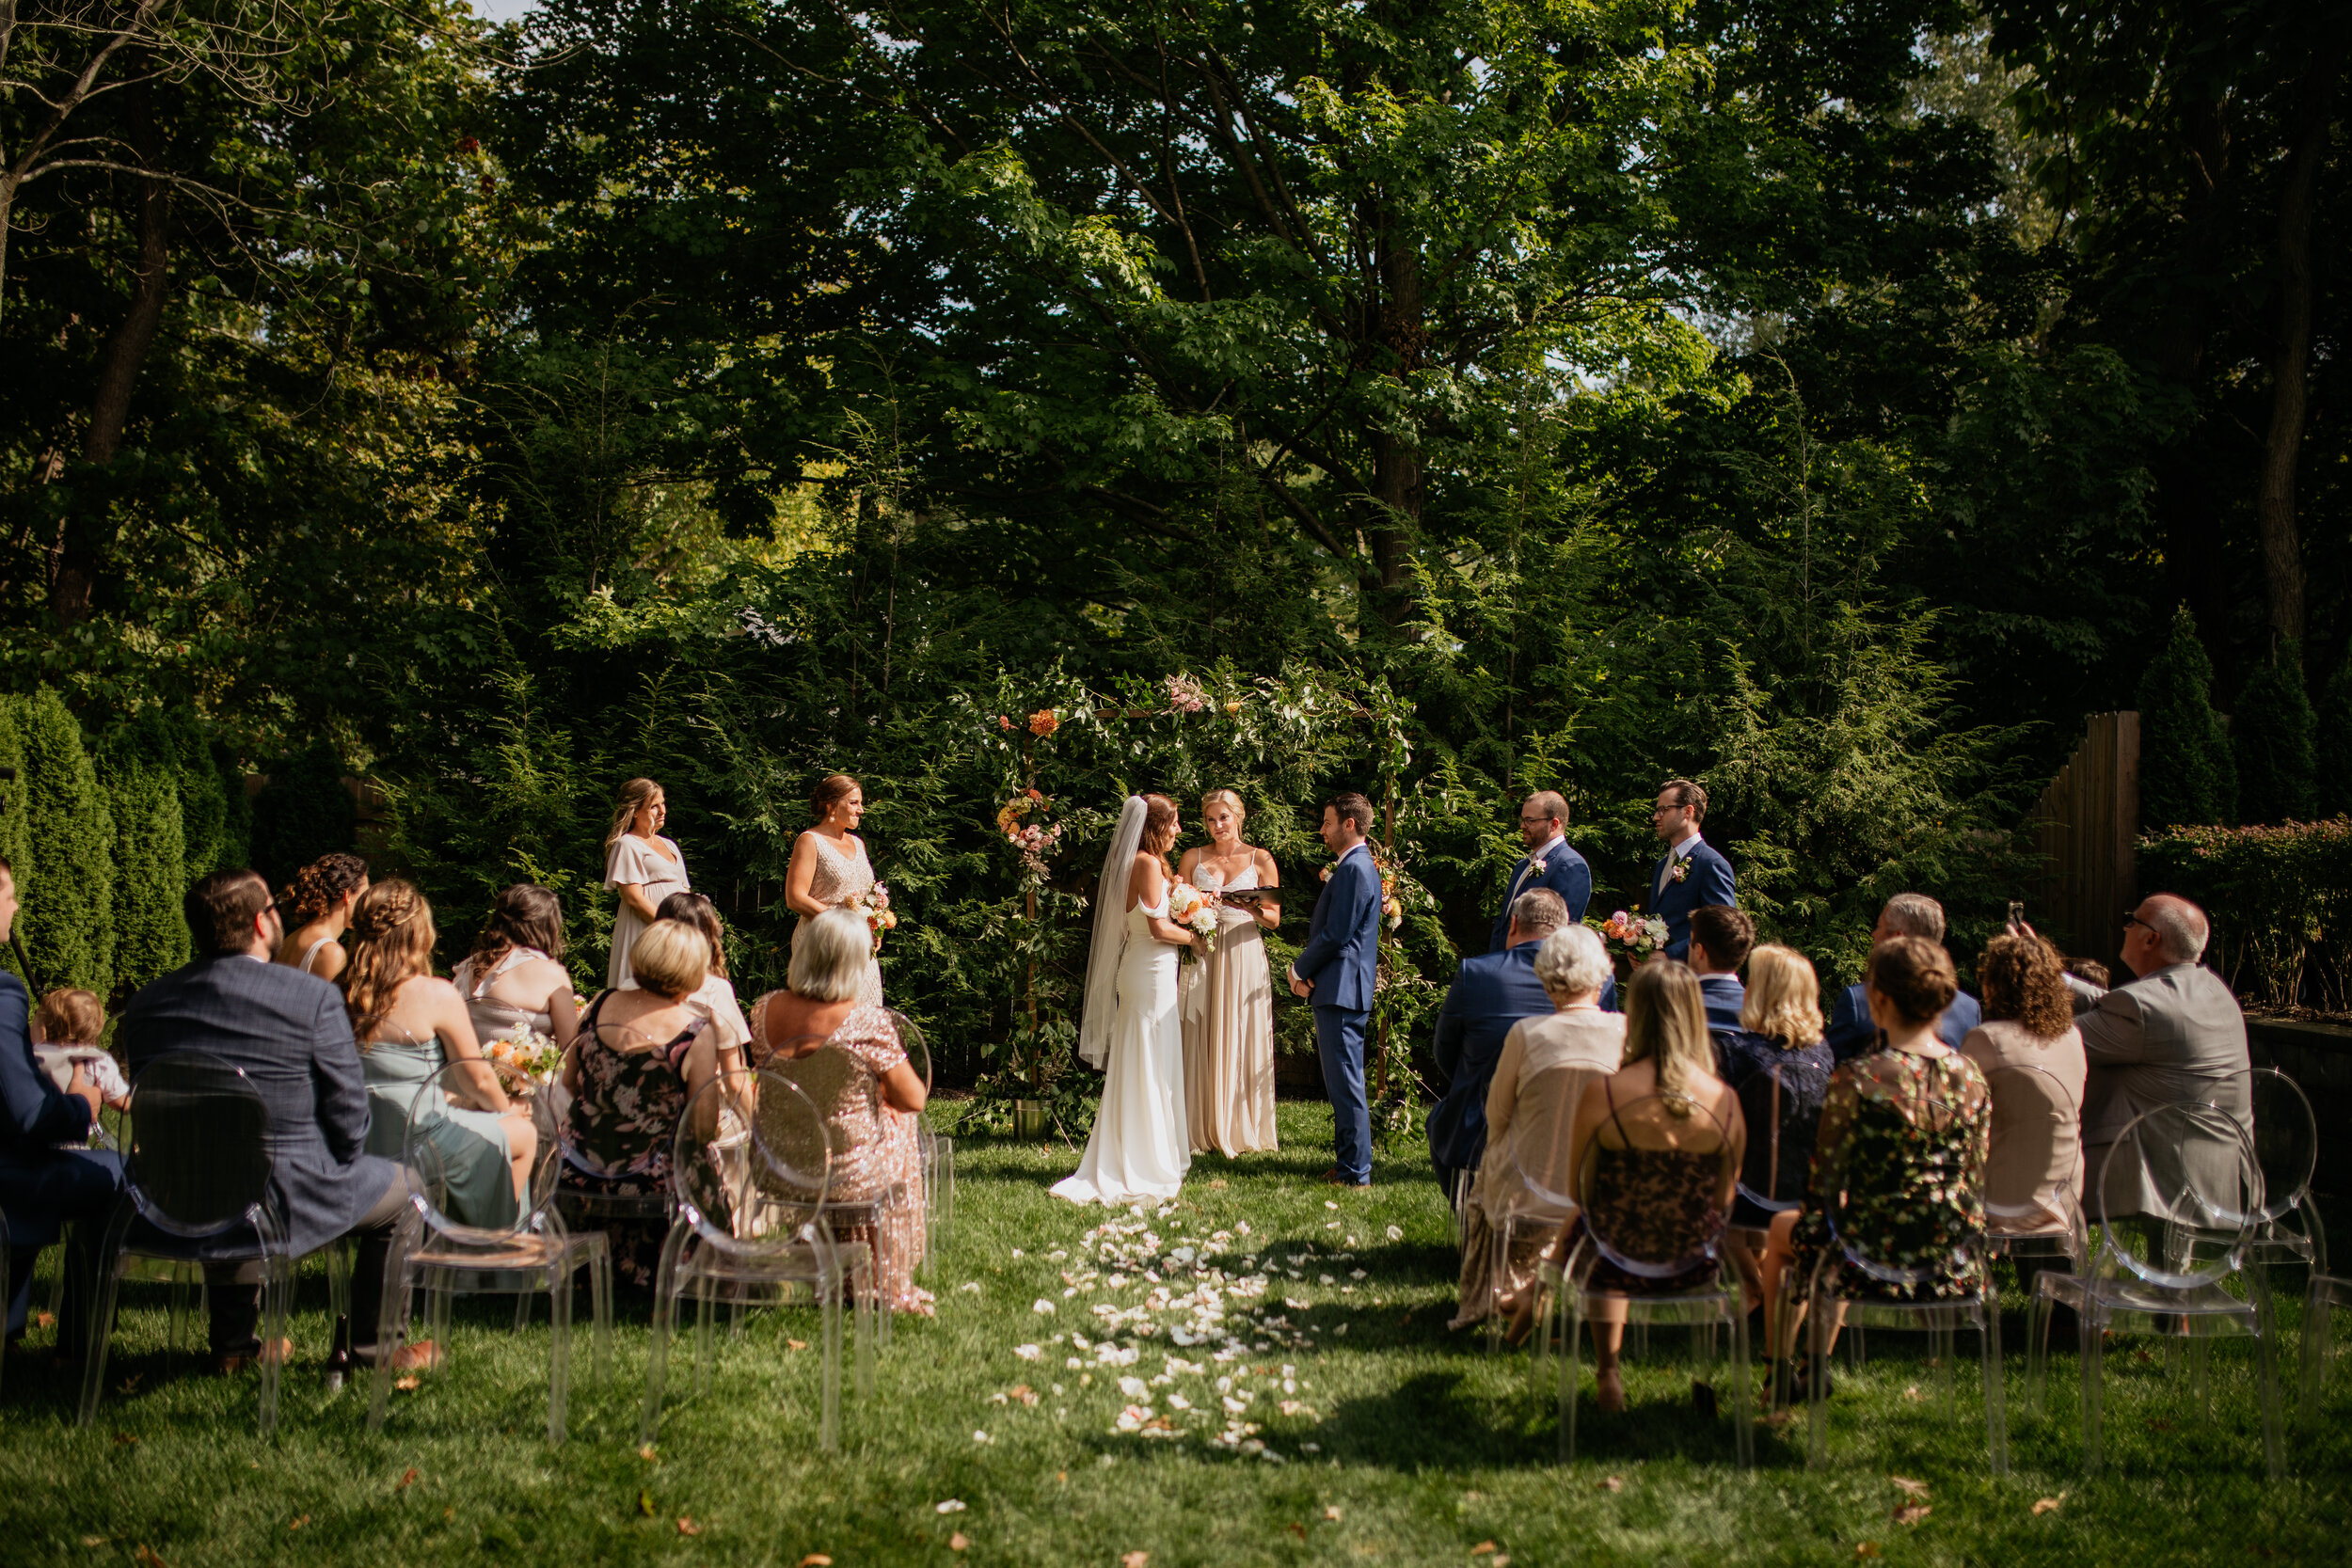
[
  {"x": 1539, "y": 1078},
  {"x": 875, "y": 1154}
]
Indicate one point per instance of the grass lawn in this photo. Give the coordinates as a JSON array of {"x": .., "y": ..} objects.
[{"x": 1426, "y": 1448}]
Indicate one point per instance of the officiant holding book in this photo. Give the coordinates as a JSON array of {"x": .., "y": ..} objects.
[{"x": 1547, "y": 864}]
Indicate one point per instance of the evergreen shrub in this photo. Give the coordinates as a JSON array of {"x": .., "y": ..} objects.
[
  {"x": 2187, "y": 775},
  {"x": 2278, "y": 898},
  {"x": 142, "y": 777},
  {"x": 2271, "y": 735},
  {"x": 65, "y": 880},
  {"x": 2331, "y": 750}
]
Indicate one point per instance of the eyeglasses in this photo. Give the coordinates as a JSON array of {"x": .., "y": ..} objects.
[
  {"x": 1535, "y": 821},
  {"x": 2131, "y": 918}
]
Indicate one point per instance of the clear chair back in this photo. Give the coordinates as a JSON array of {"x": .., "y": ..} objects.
[
  {"x": 1771, "y": 1174},
  {"x": 1658, "y": 1127},
  {"x": 2036, "y": 1144},
  {"x": 847, "y": 1096},
  {"x": 751, "y": 1159},
  {"x": 2197, "y": 1179},
  {"x": 199, "y": 1144},
  {"x": 911, "y": 1040},
  {"x": 2285, "y": 1135},
  {"x": 469, "y": 1085},
  {"x": 1543, "y": 1113}
]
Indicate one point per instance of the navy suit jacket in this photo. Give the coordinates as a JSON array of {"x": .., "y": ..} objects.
[
  {"x": 287, "y": 1032},
  {"x": 1491, "y": 994},
  {"x": 1564, "y": 872},
  {"x": 1852, "y": 1033},
  {"x": 35, "y": 1117},
  {"x": 1725, "y": 996},
  {"x": 1709, "y": 882},
  {"x": 1342, "y": 953}
]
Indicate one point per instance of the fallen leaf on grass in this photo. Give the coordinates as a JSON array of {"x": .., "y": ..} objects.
[
  {"x": 688, "y": 1527},
  {"x": 648, "y": 1455},
  {"x": 2048, "y": 1505},
  {"x": 125, "y": 1440},
  {"x": 1022, "y": 1393},
  {"x": 957, "y": 1542},
  {"x": 816, "y": 1559},
  {"x": 1297, "y": 1528},
  {"x": 1331, "y": 1512},
  {"x": 1134, "y": 1559},
  {"x": 448, "y": 1515},
  {"x": 1912, "y": 1393},
  {"x": 1612, "y": 1483},
  {"x": 644, "y": 1504},
  {"x": 44, "y": 1320},
  {"x": 299, "y": 1521},
  {"x": 796, "y": 1344},
  {"x": 1866, "y": 1548},
  {"x": 1911, "y": 1487},
  {"x": 145, "y": 1557},
  {"x": 1911, "y": 1513},
  {"x": 405, "y": 1383},
  {"x": 93, "y": 1541},
  {"x": 1216, "y": 1184},
  {"x": 1483, "y": 1548},
  {"x": 405, "y": 1481}
]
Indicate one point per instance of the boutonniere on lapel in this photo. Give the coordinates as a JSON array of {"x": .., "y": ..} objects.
[
  {"x": 1680, "y": 870},
  {"x": 1324, "y": 872},
  {"x": 1535, "y": 864}
]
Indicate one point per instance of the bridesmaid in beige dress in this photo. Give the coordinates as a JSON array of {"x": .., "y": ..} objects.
[
  {"x": 640, "y": 865},
  {"x": 830, "y": 869},
  {"x": 1228, "y": 1006}
]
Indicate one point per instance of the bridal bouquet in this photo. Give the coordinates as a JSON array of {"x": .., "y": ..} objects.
[
  {"x": 525, "y": 1060},
  {"x": 1188, "y": 907},
  {"x": 1631, "y": 937}
]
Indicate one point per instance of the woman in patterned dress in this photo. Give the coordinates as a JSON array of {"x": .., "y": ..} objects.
[
  {"x": 1900, "y": 1156},
  {"x": 830, "y": 871},
  {"x": 641, "y": 1055},
  {"x": 876, "y": 1156}
]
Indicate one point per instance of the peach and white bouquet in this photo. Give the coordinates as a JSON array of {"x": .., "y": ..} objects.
[
  {"x": 875, "y": 906},
  {"x": 1192, "y": 909},
  {"x": 1631, "y": 936},
  {"x": 525, "y": 1060}
]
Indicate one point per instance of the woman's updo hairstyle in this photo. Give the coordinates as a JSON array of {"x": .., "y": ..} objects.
[
  {"x": 1916, "y": 978},
  {"x": 318, "y": 887},
  {"x": 1159, "y": 824},
  {"x": 830, "y": 792}
]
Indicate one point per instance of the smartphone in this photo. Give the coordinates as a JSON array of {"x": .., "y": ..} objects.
[{"x": 2016, "y": 913}]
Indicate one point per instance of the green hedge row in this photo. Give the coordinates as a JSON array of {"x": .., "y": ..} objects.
[{"x": 2280, "y": 898}]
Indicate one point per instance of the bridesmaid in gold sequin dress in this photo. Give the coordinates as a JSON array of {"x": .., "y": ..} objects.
[{"x": 830, "y": 870}]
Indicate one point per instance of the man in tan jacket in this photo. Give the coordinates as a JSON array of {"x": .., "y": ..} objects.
[{"x": 2174, "y": 1035}]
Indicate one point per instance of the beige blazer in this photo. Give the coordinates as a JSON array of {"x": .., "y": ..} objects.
[
  {"x": 2037, "y": 1121},
  {"x": 1531, "y": 1102}
]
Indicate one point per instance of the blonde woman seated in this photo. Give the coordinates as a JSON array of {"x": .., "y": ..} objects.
[
  {"x": 820, "y": 1006},
  {"x": 1654, "y": 1156},
  {"x": 641, "y": 1055},
  {"x": 410, "y": 1026},
  {"x": 1777, "y": 1065},
  {"x": 1540, "y": 1078}
]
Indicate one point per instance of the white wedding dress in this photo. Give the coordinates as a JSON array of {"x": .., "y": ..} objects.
[{"x": 1140, "y": 1148}]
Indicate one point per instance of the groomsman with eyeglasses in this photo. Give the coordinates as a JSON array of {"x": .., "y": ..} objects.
[{"x": 1547, "y": 864}]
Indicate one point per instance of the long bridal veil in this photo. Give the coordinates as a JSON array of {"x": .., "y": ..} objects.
[{"x": 1110, "y": 931}]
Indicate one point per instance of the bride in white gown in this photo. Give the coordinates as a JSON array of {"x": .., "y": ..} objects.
[{"x": 1139, "y": 1148}]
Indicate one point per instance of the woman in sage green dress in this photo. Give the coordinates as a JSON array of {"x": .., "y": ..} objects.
[{"x": 410, "y": 1027}]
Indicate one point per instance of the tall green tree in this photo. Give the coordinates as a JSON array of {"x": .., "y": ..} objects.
[
  {"x": 142, "y": 778},
  {"x": 67, "y": 878},
  {"x": 2271, "y": 733},
  {"x": 2188, "y": 777}
]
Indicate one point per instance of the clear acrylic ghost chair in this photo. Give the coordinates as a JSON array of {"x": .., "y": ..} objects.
[
  {"x": 444, "y": 1256},
  {"x": 865, "y": 1200},
  {"x": 1848, "y": 1265},
  {"x": 198, "y": 1173},
  {"x": 1536, "y": 1149},
  {"x": 2279, "y": 1120},
  {"x": 749, "y": 1177},
  {"x": 938, "y": 1149},
  {"x": 2177, "y": 1174},
  {"x": 586, "y": 1208},
  {"x": 1648, "y": 1126},
  {"x": 1772, "y": 1172},
  {"x": 2320, "y": 1297},
  {"x": 2037, "y": 1141}
]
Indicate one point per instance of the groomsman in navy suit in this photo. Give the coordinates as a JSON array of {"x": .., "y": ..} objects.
[
  {"x": 1692, "y": 873},
  {"x": 1851, "y": 1031},
  {"x": 1335, "y": 971},
  {"x": 1547, "y": 864}
]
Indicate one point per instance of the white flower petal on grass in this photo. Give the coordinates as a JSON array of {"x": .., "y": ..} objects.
[
  {"x": 1310, "y": 1447},
  {"x": 1329, "y": 1203},
  {"x": 1027, "y": 1353},
  {"x": 1242, "y": 1228},
  {"x": 1134, "y": 1388},
  {"x": 979, "y": 1436},
  {"x": 953, "y": 1505},
  {"x": 1395, "y": 1234},
  {"x": 971, "y": 1285},
  {"x": 1042, "y": 1307},
  {"x": 1178, "y": 1402}
]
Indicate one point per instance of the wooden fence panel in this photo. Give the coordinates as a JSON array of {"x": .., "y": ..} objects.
[{"x": 2086, "y": 827}]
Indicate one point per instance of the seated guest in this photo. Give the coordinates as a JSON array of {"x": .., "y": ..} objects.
[
  {"x": 641, "y": 1054},
  {"x": 1720, "y": 939},
  {"x": 1776, "y": 1064},
  {"x": 410, "y": 1027},
  {"x": 2029, "y": 1022},
  {"x": 1548, "y": 862},
  {"x": 1901, "y": 1148},
  {"x": 2173, "y": 1034},
  {"x": 317, "y": 907},
  {"x": 288, "y": 1032},
  {"x": 2090, "y": 971},
  {"x": 1654, "y": 1157},
  {"x": 1540, "y": 1081},
  {"x": 1851, "y": 1031},
  {"x": 819, "y": 1007},
  {"x": 46, "y": 1180},
  {"x": 515, "y": 977},
  {"x": 67, "y": 1027},
  {"x": 717, "y": 995},
  {"x": 1491, "y": 994}
]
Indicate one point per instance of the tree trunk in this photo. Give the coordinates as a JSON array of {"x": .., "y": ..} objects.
[
  {"x": 2192, "y": 534},
  {"x": 2274, "y": 505},
  {"x": 1397, "y": 475},
  {"x": 72, "y": 588}
]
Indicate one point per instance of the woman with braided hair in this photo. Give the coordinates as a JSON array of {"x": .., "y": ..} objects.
[
  {"x": 410, "y": 1025},
  {"x": 317, "y": 906}
]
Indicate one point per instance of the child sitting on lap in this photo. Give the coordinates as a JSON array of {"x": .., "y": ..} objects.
[{"x": 66, "y": 1027}]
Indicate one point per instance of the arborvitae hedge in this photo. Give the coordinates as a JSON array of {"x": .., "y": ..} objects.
[
  {"x": 2271, "y": 735},
  {"x": 213, "y": 813},
  {"x": 2332, "y": 746},
  {"x": 2187, "y": 775},
  {"x": 66, "y": 876},
  {"x": 305, "y": 812},
  {"x": 141, "y": 771}
]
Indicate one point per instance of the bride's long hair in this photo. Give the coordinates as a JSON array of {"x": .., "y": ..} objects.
[{"x": 1159, "y": 827}]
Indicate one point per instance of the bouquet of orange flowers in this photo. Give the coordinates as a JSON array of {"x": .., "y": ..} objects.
[
  {"x": 875, "y": 906},
  {"x": 525, "y": 1060},
  {"x": 1630, "y": 936},
  {"x": 1192, "y": 909}
]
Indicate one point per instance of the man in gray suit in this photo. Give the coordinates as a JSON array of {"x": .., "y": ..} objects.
[
  {"x": 2174, "y": 1035},
  {"x": 288, "y": 1032}
]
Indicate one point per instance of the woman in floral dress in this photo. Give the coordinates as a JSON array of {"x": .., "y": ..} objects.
[{"x": 1898, "y": 1163}]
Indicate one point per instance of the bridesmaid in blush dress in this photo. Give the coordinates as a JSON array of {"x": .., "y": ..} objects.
[
  {"x": 1228, "y": 1007},
  {"x": 641, "y": 867},
  {"x": 830, "y": 870}
]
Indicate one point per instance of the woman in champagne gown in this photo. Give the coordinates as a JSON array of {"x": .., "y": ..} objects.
[
  {"x": 641, "y": 867},
  {"x": 1228, "y": 995},
  {"x": 830, "y": 870},
  {"x": 1139, "y": 1148}
]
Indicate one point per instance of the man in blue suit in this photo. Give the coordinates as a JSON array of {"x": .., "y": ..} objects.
[
  {"x": 1335, "y": 971},
  {"x": 45, "y": 1182},
  {"x": 1547, "y": 864},
  {"x": 1491, "y": 994},
  {"x": 1721, "y": 940},
  {"x": 1851, "y": 1031},
  {"x": 1692, "y": 873}
]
